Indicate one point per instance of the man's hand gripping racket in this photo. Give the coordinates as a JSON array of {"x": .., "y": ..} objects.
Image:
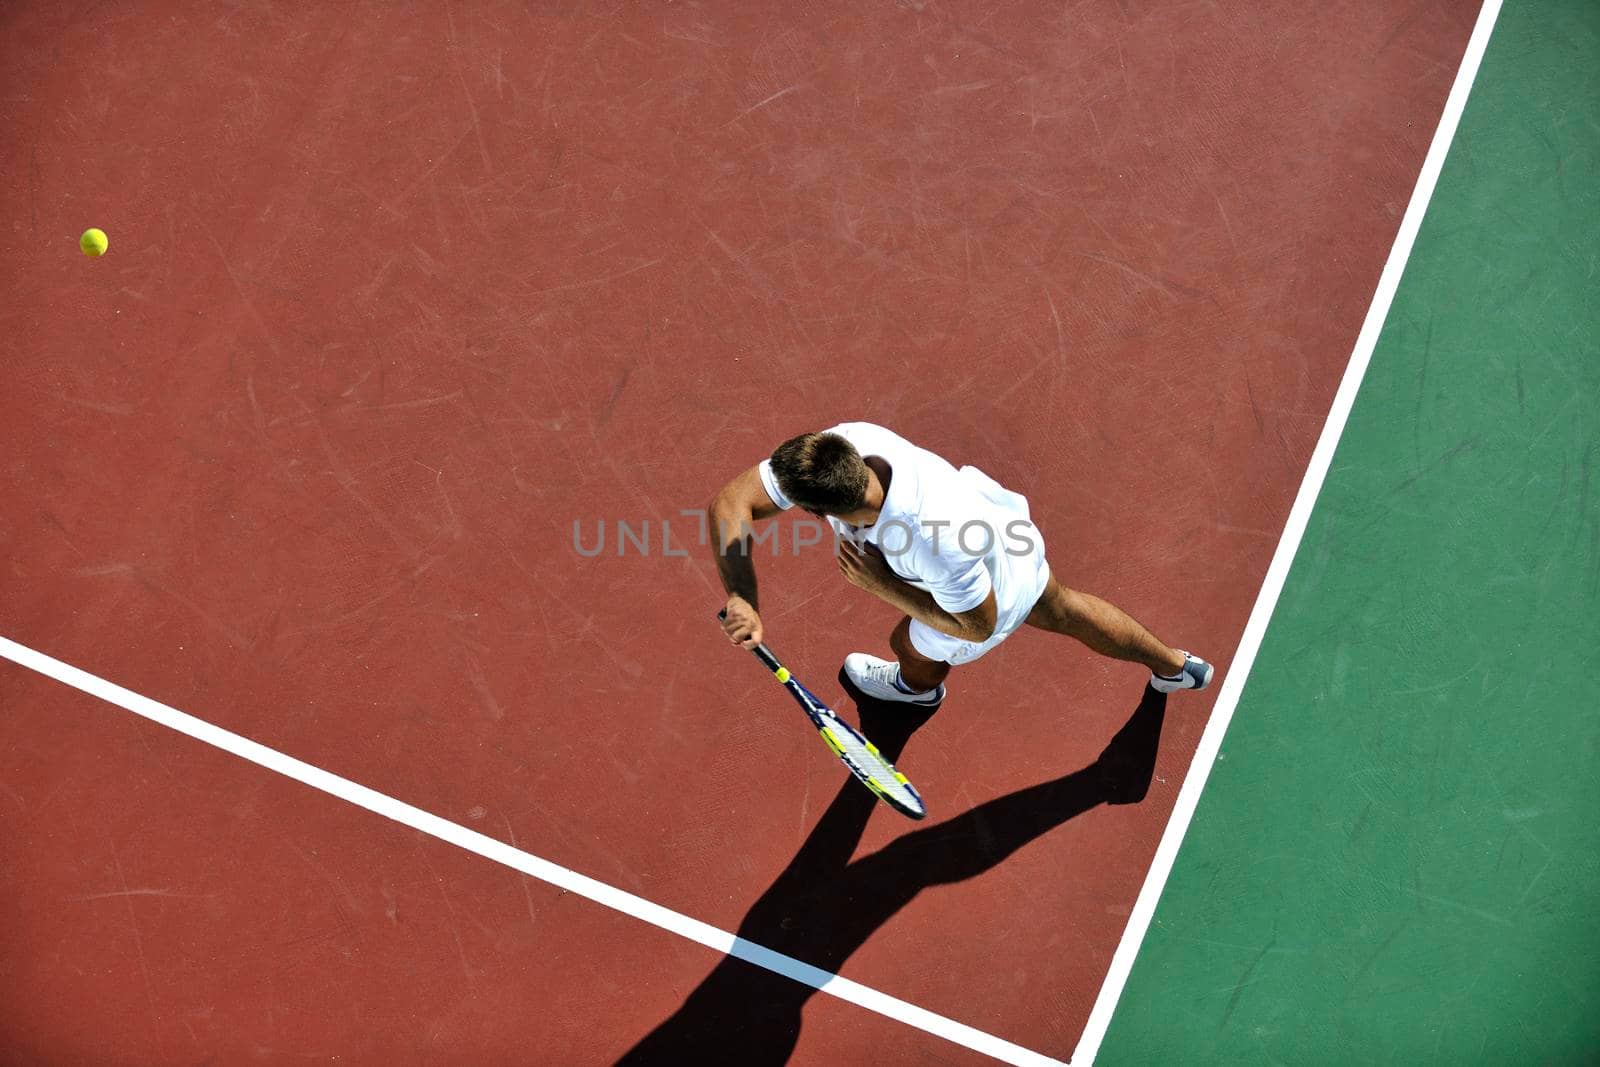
[{"x": 858, "y": 754}]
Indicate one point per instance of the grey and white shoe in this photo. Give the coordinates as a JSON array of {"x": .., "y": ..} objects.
[
  {"x": 1196, "y": 674},
  {"x": 879, "y": 679}
]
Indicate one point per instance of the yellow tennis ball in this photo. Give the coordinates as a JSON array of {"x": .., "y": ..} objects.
[{"x": 93, "y": 242}]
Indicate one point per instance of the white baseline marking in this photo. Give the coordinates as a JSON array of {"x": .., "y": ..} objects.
[
  {"x": 1316, "y": 473},
  {"x": 528, "y": 864}
]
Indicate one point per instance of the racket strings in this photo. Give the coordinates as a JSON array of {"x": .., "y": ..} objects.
[{"x": 862, "y": 755}]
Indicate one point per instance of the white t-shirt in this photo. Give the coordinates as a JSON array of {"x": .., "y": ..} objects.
[{"x": 956, "y": 534}]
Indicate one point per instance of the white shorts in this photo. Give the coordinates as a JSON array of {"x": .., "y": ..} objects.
[
  {"x": 1019, "y": 581},
  {"x": 952, "y": 650}
]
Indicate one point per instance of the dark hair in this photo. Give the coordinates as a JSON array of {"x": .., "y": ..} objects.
[{"x": 821, "y": 472}]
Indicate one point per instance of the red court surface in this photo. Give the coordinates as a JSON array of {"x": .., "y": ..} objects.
[{"x": 395, "y": 299}]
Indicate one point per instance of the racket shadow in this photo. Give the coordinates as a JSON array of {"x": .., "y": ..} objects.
[{"x": 824, "y": 906}]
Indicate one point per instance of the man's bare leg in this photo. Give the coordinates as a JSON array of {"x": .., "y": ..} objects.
[
  {"x": 919, "y": 673},
  {"x": 1105, "y": 628},
  {"x": 909, "y": 678}
]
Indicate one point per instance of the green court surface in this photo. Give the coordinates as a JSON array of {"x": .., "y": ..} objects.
[{"x": 1394, "y": 860}]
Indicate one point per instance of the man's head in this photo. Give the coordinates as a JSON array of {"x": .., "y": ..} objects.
[{"x": 822, "y": 473}]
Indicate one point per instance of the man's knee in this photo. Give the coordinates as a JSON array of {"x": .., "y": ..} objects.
[
  {"x": 900, "y": 640},
  {"x": 900, "y": 643},
  {"x": 1060, "y": 609}
]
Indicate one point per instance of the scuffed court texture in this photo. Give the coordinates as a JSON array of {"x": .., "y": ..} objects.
[{"x": 399, "y": 301}]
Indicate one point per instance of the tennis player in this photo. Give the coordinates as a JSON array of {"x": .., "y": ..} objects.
[{"x": 952, "y": 549}]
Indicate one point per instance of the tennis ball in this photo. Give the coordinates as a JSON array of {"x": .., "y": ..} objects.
[{"x": 93, "y": 242}]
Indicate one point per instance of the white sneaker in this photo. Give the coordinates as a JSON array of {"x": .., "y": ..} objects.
[
  {"x": 1196, "y": 674},
  {"x": 876, "y": 679}
]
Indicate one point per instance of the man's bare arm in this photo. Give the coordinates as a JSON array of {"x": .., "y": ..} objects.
[
  {"x": 871, "y": 572},
  {"x": 732, "y": 512},
  {"x": 976, "y": 625}
]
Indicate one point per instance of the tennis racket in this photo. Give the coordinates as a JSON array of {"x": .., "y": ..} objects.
[{"x": 858, "y": 754}]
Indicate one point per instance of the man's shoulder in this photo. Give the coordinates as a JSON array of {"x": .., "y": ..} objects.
[
  {"x": 869, "y": 438},
  {"x": 852, "y": 431}
]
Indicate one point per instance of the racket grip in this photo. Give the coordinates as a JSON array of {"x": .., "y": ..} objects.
[{"x": 767, "y": 658}]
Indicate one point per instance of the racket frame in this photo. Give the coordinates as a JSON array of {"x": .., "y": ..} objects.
[{"x": 829, "y": 725}]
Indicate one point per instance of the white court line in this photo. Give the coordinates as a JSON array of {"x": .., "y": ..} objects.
[
  {"x": 531, "y": 865},
  {"x": 1239, "y": 670}
]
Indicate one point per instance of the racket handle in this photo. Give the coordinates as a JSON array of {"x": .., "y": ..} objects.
[{"x": 767, "y": 659}]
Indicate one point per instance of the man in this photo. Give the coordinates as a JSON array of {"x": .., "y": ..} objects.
[{"x": 952, "y": 549}]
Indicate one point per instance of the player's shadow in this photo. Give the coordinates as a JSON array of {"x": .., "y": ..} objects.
[{"x": 824, "y": 906}]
